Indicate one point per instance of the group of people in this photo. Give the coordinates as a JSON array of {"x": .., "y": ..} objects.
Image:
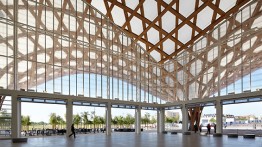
[{"x": 208, "y": 128}]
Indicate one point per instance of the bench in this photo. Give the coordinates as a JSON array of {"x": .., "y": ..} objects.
[
  {"x": 187, "y": 133},
  {"x": 232, "y": 135},
  {"x": 5, "y": 132},
  {"x": 203, "y": 134},
  {"x": 173, "y": 132},
  {"x": 249, "y": 135},
  {"x": 217, "y": 135},
  {"x": 19, "y": 140}
]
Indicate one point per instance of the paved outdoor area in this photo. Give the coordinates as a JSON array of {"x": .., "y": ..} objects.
[{"x": 133, "y": 140}]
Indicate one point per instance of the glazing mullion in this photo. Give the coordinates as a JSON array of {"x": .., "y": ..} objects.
[
  {"x": 107, "y": 57},
  {"x": 160, "y": 84},
  {"x": 89, "y": 45},
  {"x": 234, "y": 68},
  {"x": 132, "y": 76},
  {"x": 76, "y": 42},
  {"x": 69, "y": 52},
  {"x": 127, "y": 69},
  {"x": 118, "y": 69},
  {"x": 122, "y": 66},
  {"x": 148, "y": 79},
  {"x": 83, "y": 50},
  {"x": 112, "y": 53},
  {"x": 15, "y": 43},
  {"x": 136, "y": 62},
  {"x": 53, "y": 48},
  {"x": 7, "y": 57},
  {"x": 155, "y": 96},
  {"x": 251, "y": 57},
  {"x": 37, "y": 37},
  {"x": 250, "y": 43},
  {"x": 95, "y": 50},
  {"x": 26, "y": 47},
  {"x": 140, "y": 72},
  {"x": 218, "y": 63},
  {"x": 101, "y": 57},
  {"x": 241, "y": 54},
  {"x": 45, "y": 46},
  {"x": 61, "y": 47},
  {"x": 226, "y": 64},
  {"x": 144, "y": 80}
]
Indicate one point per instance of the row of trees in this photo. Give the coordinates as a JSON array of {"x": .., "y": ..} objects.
[{"x": 90, "y": 120}]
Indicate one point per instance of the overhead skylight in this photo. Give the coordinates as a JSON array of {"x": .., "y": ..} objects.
[
  {"x": 204, "y": 17},
  {"x": 155, "y": 55},
  {"x": 169, "y": 46},
  {"x": 132, "y": 3},
  {"x": 184, "y": 34},
  {"x": 118, "y": 16},
  {"x": 136, "y": 25},
  {"x": 150, "y": 9},
  {"x": 100, "y": 5},
  {"x": 153, "y": 35},
  {"x": 225, "y": 5},
  {"x": 168, "y": 21},
  {"x": 167, "y": 1},
  {"x": 186, "y": 7}
]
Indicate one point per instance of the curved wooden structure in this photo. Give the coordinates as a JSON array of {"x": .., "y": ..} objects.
[{"x": 46, "y": 40}]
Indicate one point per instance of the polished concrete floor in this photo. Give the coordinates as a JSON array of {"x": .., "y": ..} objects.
[{"x": 133, "y": 140}]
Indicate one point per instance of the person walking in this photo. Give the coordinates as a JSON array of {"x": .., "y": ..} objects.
[
  {"x": 208, "y": 128},
  {"x": 73, "y": 131},
  {"x": 195, "y": 127},
  {"x": 200, "y": 128}
]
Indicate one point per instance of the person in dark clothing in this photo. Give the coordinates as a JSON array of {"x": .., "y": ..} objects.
[
  {"x": 195, "y": 127},
  {"x": 208, "y": 128},
  {"x": 73, "y": 131},
  {"x": 215, "y": 128}
]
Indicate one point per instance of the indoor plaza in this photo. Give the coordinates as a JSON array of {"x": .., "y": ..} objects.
[{"x": 129, "y": 55}]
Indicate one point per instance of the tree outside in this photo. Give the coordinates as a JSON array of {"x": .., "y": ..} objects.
[
  {"x": 212, "y": 120},
  {"x": 172, "y": 119},
  {"x": 85, "y": 118},
  {"x": 146, "y": 119},
  {"x": 77, "y": 119},
  {"x": 129, "y": 120},
  {"x": 25, "y": 120},
  {"x": 53, "y": 120}
]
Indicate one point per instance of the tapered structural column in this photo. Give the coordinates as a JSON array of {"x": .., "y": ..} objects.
[
  {"x": 138, "y": 120},
  {"x": 108, "y": 119},
  {"x": 16, "y": 117},
  {"x": 219, "y": 117},
  {"x": 184, "y": 118},
  {"x": 160, "y": 120},
  {"x": 69, "y": 116}
]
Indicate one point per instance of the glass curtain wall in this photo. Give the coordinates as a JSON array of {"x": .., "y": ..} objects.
[
  {"x": 227, "y": 60},
  {"x": 68, "y": 47}
]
